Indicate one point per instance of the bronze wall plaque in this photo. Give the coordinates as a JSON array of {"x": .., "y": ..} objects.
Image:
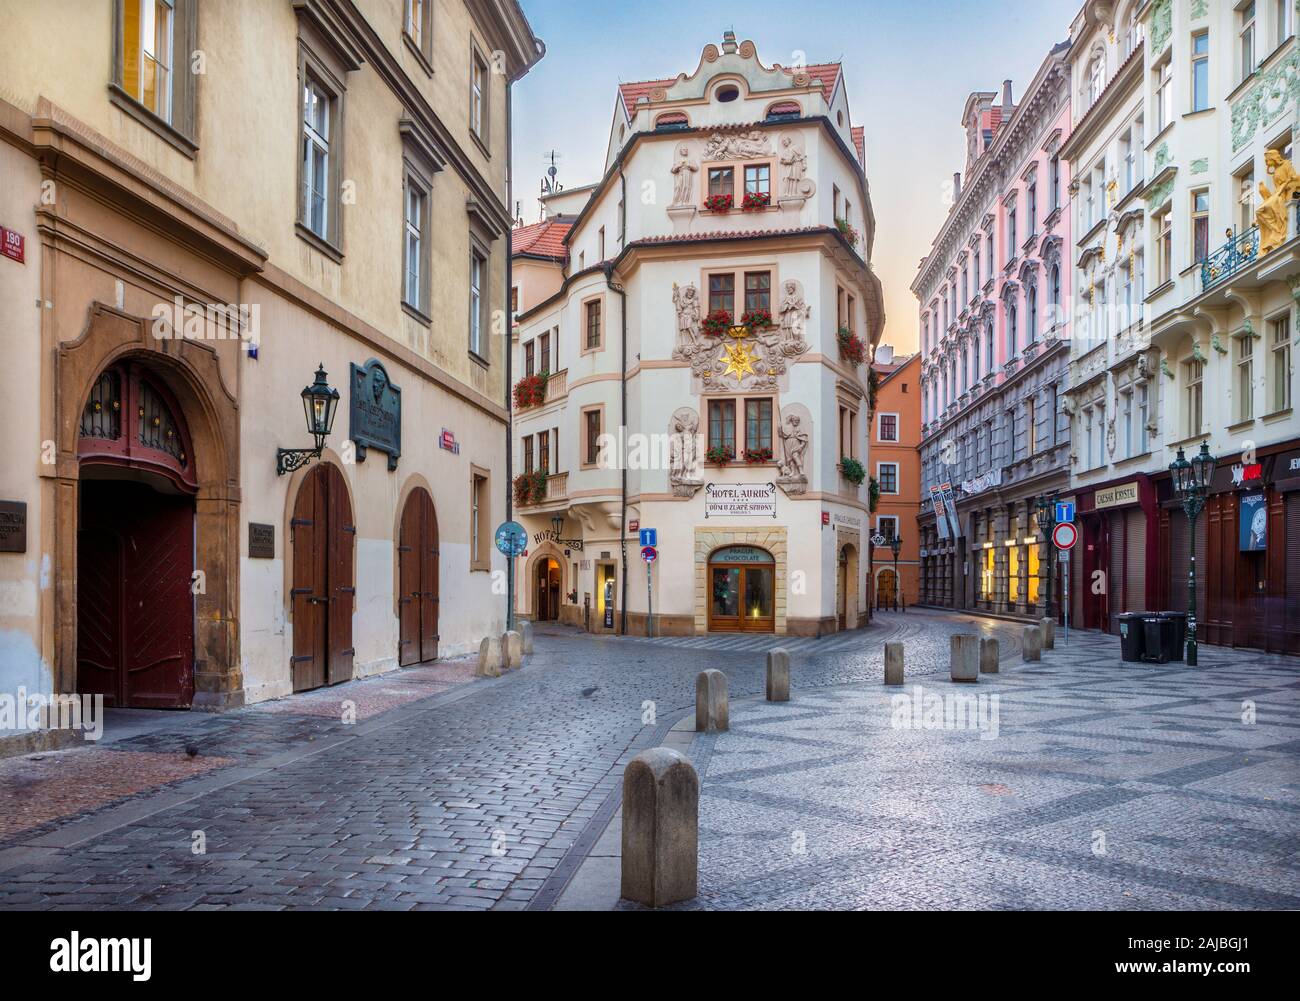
[
  {"x": 13, "y": 526},
  {"x": 261, "y": 541},
  {"x": 375, "y": 413}
]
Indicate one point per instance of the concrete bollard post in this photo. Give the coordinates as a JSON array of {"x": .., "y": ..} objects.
[
  {"x": 778, "y": 675},
  {"x": 965, "y": 657},
  {"x": 1032, "y": 645},
  {"x": 893, "y": 663},
  {"x": 989, "y": 655},
  {"x": 1048, "y": 626},
  {"x": 661, "y": 803},
  {"x": 512, "y": 650},
  {"x": 526, "y": 631},
  {"x": 711, "y": 713},
  {"x": 489, "y": 658}
]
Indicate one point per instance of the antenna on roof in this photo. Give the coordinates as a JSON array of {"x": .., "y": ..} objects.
[{"x": 550, "y": 185}]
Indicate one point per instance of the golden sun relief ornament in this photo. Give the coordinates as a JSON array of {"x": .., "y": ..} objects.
[{"x": 740, "y": 360}]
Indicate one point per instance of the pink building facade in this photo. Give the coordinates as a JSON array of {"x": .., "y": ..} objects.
[{"x": 994, "y": 295}]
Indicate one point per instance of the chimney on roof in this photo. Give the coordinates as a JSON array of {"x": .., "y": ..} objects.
[
  {"x": 956, "y": 185},
  {"x": 729, "y": 41},
  {"x": 1006, "y": 100}
]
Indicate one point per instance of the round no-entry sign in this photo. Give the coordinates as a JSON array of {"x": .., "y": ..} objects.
[{"x": 1065, "y": 535}]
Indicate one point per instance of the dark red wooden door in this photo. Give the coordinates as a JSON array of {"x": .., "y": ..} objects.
[
  {"x": 417, "y": 602},
  {"x": 323, "y": 592},
  {"x": 135, "y": 598}
]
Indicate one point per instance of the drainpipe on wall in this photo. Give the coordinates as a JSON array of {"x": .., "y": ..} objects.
[
  {"x": 510, "y": 351},
  {"x": 622, "y": 314}
]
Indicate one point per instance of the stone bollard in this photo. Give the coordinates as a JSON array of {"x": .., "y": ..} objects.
[
  {"x": 965, "y": 657},
  {"x": 661, "y": 803},
  {"x": 512, "y": 650},
  {"x": 1048, "y": 626},
  {"x": 489, "y": 658},
  {"x": 778, "y": 675},
  {"x": 989, "y": 655},
  {"x": 893, "y": 663},
  {"x": 711, "y": 702},
  {"x": 526, "y": 631},
  {"x": 1032, "y": 645}
]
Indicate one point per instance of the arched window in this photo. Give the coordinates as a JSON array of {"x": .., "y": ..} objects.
[
  {"x": 1031, "y": 314},
  {"x": 130, "y": 420},
  {"x": 783, "y": 110},
  {"x": 988, "y": 345},
  {"x": 1011, "y": 330},
  {"x": 1096, "y": 77},
  {"x": 975, "y": 357},
  {"x": 672, "y": 120}
]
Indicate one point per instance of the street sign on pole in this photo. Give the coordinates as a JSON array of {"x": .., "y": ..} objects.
[
  {"x": 1065, "y": 535},
  {"x": 649, "y": 537},
  {"x": 511, "y": 537},
  {"x": 1064, "y": 511},
  {"x": 649, "y": 553}
]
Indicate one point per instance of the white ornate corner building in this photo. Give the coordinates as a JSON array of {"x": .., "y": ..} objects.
[{"x": 696, "y": 363}]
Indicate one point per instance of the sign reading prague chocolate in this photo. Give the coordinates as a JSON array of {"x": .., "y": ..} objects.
[
  {"x": 740, "y": 500},
  {"x": 375, "y": 414}
]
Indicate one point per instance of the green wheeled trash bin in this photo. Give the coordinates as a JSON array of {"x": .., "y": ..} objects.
[
  {"x": 1173, "y": 634},
  {"x": 1131, "y": 636}
]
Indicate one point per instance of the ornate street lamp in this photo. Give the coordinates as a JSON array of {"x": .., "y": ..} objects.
[
  {"x": 1191, "y": 484},
  {"x": 896, "y": 543},
  {"x": 1046, "y": 523},
  {"x": 319, "y": 404},
  {"x": 557, "y": 523}
]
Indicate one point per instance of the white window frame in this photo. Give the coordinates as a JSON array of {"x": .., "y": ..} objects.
[
  {"x": 880, "y": 424},
  {"x": 880, "y": 480},
  {"x": 316, "y": 141},
  {"x": 1280, "y": 356}
]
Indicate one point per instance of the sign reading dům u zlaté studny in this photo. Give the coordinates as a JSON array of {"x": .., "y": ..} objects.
[{"x": 13, "y": 245}]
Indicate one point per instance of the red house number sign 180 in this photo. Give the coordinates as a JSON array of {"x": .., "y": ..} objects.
[{"x": 12, "y": 244}]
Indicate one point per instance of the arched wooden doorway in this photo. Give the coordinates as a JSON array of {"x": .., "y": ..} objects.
[
  {"x": 886, "y": 589},
  {"x": 323, "y": 591},
  {"x": 548, "y": 589},
  {"x": 417, "y": 571},
  {"x": 135, "y": 544},
  {"x": 742, "y": 590}
]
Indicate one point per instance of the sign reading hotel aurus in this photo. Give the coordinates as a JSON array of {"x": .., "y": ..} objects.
[
  {"x": 740, "y": 500},
  {"x": 1125, "y": 493}
]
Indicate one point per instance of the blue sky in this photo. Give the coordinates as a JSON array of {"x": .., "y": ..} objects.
[{"x": 908, "y": 66}]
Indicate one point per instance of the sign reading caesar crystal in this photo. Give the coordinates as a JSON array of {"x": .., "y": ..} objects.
[
  {"x": 740, "y": 500},
  {"x": 1125, "y": 493},
  {"x": 13, "y": 526},
  {"x": 375, "y": 414},
  {"x": 261, "y": 541}
]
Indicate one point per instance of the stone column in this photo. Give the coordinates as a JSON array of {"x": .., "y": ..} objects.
[{"x": 660, "y": 858}]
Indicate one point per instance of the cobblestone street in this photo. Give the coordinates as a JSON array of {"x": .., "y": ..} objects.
[{"x": 404, "y": 808}]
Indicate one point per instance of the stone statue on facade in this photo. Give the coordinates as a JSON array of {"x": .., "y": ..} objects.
[
  {"x": 1271, "y": 216},
  {"x": 794, "y": 317},
  {"x": 740, "y": 147},
  {"x": 684, "y": 470},
  {"x": 795, "y": 163},
  {"x": 686, "y": 300},
  {"x": 796, "y": 439},
  {"x": 684, "y": 171}
]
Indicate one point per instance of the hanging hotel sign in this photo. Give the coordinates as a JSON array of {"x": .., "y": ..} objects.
[
  {"x": 985, "y": 481},
  {"x": 1125, "y": 493},
  {"x": 375, "y": 415},
  {"x": 740, "y": 500},
  {"x": 1253, "y": 523}
]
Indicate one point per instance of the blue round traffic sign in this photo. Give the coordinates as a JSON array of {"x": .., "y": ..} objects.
[{"x": 512, "y": 538}]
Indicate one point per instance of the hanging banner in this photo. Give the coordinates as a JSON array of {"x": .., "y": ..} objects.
[
  {"x": 950, "y": 505},
  {"x": 940, "y": 517},
  {"x": 1253, "y": 524}
]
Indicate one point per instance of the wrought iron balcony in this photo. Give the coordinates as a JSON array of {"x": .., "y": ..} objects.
[{"x": 1234, "y": 255}]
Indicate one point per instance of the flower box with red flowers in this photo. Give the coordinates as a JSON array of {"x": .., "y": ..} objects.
[
  {"x": 756, "y": 456},
  {"x": 756, "y": 319},
  {"x": 530, "y": 488},
  {"x": 530, "y": 391},
  {"x": 755, "y": 200},
  {"x": 717, "y": 322},
  {"x": 719, "y": 455},
  {"x": 719, "y": 203},
  {"x": 852, "y": 350},
  {"x": 847, "y": 230}
]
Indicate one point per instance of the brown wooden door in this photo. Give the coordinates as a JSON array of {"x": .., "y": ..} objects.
[
  {"x": 418, "y": 580},
  {"x": 323, "y": 593},
  {"x": 135, "y": 598}
]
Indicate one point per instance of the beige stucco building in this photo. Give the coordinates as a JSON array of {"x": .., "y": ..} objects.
[
  {"x": 704, "y": 357},
  {"x": 202, "y": 203}
]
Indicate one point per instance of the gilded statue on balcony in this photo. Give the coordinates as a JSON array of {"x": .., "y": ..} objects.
[{"x": 1271, "y": 216}]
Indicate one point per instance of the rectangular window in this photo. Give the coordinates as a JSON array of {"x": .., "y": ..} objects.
[
  {"x": 888, "y": 430},
  {"x": 1011, "y": 235},
  {"x": 602, "y": 242},
  {"x": 1280, "y": 343},
  {"x": 1164, "y": 95},
  {"x": 593, "y": 337},
  {"x": 887, "y": 476},
  {"x": 1193, "y": 372},
  {"x": 887, "y": 525},
  {"x": 1282, "y": 14},
  {"x": 1031, "y": 426},
  {"x": 1031, "y": 219},
  {"x": 1200, "y": 225},
  {"x": 416, "y": 202},
  {"x": 1143, "y": 418},
  {"x": 544, "y": 450},
  {"x": 148, "y": 30},
  {"x": 1126, "y": 410},
  {"x": 1200, "y": 70},
  {"x": 1164, "y": 248},
  {"x": 1054, "y": 182},
  {"x": 526, "y": 449},
  {"x": 478, "y": 96},
  {"x": 722, "y": 424},
  {"x": 480, "y": 522},
  {"x": 1246, "y": 40},
  {"x": 989, "y": 241},
  {"x": 722, "y": 181},
  {"x": 758, "y": 290},
  {"x": 591, "y": 436},
  {"x": 1245, "y": 377},
  {"x": 758, "y": 179},
  {"x": 416, "y": 26},
  {"x": 529, "y": 357},
  {"x": 722, "y": 293},
  {"x": 758, "y": 423},
  {"x": 477, "y": 311},
  {"x": 316, "y": 182}
]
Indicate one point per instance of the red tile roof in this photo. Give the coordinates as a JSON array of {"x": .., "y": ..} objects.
[
  {"x": 542, "y": 239},
  {"x": 860, "y": 143},
  {"x": 824, "y": 75}
]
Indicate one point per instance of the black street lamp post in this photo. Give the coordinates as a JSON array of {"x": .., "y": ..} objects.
[
  {"x": 1191, "y": 484},
  {"x": 896, "y": 543},
  {"x": 319, "y": 403},
  {"x": 1046, "y": 524}
]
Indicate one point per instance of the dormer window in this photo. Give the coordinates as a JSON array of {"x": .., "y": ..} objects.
[
  {"x": 672, "y": 120},
  {"x": 783, "y": 111},
  {"x": 728, "y": 94}
]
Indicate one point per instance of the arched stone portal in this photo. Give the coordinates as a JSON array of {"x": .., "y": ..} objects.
[{"x": 191, "y": 374}]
